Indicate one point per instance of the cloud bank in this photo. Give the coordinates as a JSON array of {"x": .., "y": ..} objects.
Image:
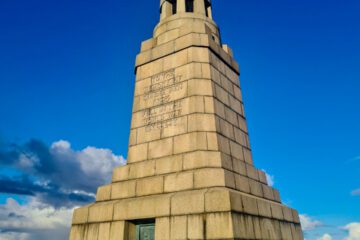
[
  {"x": 56, "y": 175},
  {"x": 312, "y": 227},
  {"x": 33, "y": 221},
  {"x": 353, "y": 230},
  {"x": 308, "y": 223},
  {"x": 54, "y": 179},
  {"x": 326, "y": 237}
]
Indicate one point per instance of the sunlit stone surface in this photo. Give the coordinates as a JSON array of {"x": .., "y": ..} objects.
[{"x": 190, "y": 173}]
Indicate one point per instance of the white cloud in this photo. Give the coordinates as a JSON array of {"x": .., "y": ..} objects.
[
  {"x": 33, "y": 220},
  {"x": 60, "y": 175},
  {"x": 325, "y": 237},
  {"x": 33, "y": 215},
  {"x": 356, "y": 192},
  {"x": 27, "y": 162},
  {"x": 99, "y": 161},
  {"x": 353, "y": 230},
  {"x": 307, "y": 223},
  {"x": 93, "y": 161},
  {"x": 59, "y": 179},
  {"x": 61, "y": 145},
  {"x": 14, "y": 236},
  {"x": 270, "y": 178}
]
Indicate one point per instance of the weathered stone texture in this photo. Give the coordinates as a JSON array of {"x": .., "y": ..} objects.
[{"x": 189, "y": 166}]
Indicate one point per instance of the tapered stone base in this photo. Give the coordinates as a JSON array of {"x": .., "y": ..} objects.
[
  {"x": 190, "y": 172},
  {"x": 215, "y": 213}
]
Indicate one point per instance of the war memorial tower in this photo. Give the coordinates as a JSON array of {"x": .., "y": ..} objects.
[{"x": 190, "y": 173}]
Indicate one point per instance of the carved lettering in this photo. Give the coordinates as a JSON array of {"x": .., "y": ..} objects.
[{"x": 162, "y": 86}]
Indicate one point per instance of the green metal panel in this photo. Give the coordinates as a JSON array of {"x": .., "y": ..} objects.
[{"x": 145, "y": 232}]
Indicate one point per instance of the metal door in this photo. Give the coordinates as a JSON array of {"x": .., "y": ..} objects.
[{"x": 145, "y": 231}]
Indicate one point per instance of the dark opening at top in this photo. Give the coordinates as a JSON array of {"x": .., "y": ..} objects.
[
  {"x": 207, "y": 8},
  {"x": 189, "y": 5},
  {"x": 174, "y": 4}
]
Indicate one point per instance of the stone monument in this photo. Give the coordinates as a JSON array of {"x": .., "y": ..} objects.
[{"x": 190, "y": 173}]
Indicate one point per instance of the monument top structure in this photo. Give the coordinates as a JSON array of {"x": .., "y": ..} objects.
[{"x": 169, "y": 8}]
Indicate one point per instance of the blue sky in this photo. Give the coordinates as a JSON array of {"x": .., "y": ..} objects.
[{"x": 66, "y": 73}]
